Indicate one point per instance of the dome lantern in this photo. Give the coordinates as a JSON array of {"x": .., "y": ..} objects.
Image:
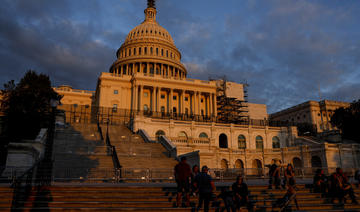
[{"x": 150, "y": 11}]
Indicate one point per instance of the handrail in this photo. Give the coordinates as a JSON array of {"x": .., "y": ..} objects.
[
  {"x": 115, "y": 158},
  {"x": 145, "y": 136},
  {"x": 169, "y": 146}
]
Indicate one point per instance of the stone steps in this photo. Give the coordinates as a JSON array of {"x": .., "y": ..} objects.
[
  {"x": 148, "y": 198},
  {"x": 133, "y": 152}
]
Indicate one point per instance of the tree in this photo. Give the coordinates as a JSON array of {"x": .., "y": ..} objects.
[
  {"x": 27, "y": 105},
  {"x": 348, "y": 121}
]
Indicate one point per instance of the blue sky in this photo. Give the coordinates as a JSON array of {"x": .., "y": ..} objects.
[{"x": 286, "y": 50}]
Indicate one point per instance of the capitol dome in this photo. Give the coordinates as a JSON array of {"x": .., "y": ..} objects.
[{"x": 149, "y": 49}]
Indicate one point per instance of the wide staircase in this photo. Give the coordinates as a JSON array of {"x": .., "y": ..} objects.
[
  {"x": 80, "y": 154},
  {"x": 149, "y": 197},
  {"x": 134, "y": 153}
]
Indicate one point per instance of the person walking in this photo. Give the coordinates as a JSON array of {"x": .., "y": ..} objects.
[
  {"x": 182, "y": 172},
  {"x": 205, "y": 186}
]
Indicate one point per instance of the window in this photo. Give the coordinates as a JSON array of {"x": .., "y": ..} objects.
[
  {"x": 275, "y": 142},
  {"x": 151, "y": 50},
  {"x": 114, "y": 109},
  {"x": 259, "y": 142},
  {"x": 174, "y": 97},
  {"x": 162, "y": 96},
  {"x": 140, "y": 51},
  {"x": 241, "y": 142},
  {"x": 203, "y": 135},
  {"x": 202, "y": 100},
  {"x": 162, "y": 109},
  {"x": 134, "y": 51},
  {"x": 116, "y": 91},
  {"x": 146, "y": 108},
  {"x": 186, "y": 99},
  {"x": 182, "y": 134},
  {"x": 146, "y": 94}
]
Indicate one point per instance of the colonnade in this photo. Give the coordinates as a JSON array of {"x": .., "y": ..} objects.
[
  {"x": 200, "y": 103},
  {"x": 149, "y": 69}
]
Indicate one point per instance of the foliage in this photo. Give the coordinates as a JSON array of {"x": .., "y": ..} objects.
[
  {"x": 348, "y": 121},
  {"x": 27, "y": 105}
]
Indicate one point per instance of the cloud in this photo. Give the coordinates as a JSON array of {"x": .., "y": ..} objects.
[{"x": 285, "y": 50}]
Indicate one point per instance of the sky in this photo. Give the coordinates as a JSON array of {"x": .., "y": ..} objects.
[{"x": 288, "y": 51}]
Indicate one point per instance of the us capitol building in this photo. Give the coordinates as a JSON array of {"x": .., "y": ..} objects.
[{"x": 147, "y": 89}]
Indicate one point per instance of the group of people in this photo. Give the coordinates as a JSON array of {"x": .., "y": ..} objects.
[
  {"x": 275, "y": 176},
  {"x": 201, "y": 183},
  {"x": 335, "y": 186}
]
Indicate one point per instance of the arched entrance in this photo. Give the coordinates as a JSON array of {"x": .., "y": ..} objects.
[
  {"x": 239, "y": 164},
  {"x": 316, "y": 162},
  {"x": 158, "y": 134},
  {"x": 224, "y": 164},
  {"x": 223, "y": 142},
  {"x": 297, "y": 163},
  {"x": 257, "y": 166}
]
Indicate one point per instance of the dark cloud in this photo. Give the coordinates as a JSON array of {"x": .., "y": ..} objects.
[{"x": 287, "y": 51}]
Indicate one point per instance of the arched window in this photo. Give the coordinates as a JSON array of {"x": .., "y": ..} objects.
[
  {"x": 145, "y": 50},
  {"x": 223, "y": 142},
  {"x": 157, "y": 51},
  {"x": 242, "y": 142},
  {"x": 275, "y": 142},
  {"x": 134, "y": 51},
  {"x": 203, "y": 135},
  {"x": 146, "y": 108},
  {"x": 151, "y": 50},
  {"x": 158, "y": 134},
  {"x": 182, "y": 134},
  {"x": 239, "y": 164},
  {"x": 259, "y": 142},
  {"x": 139, "y": 50},
  {"x": 224, "y": 164}
]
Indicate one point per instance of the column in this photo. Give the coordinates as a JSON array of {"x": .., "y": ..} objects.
[
  {"x": 191, "y": 103},
  {"x": 215, "y": 105},
  {"x": 158, "y": 99},
  {"x": 206, "y": 105},
  {"x": 168, "y": 71},
  {"x": 147, "y": 68},
  {"x": 171, "y": 100},
  {"x": 182, "y": 104},
  {"x": 121, "y": 70},
  {"x": 153, "y": 99},
  {"x": 127, "y": 69},
  {"x": 199, "y": 103},
  {"x": 135, "y": 98},
  {"x": 211, "y": 113},
  {"x": 161, "y": 70},
  {"x": 140, "y": 67},
  {"x": 140, "y": 98}
]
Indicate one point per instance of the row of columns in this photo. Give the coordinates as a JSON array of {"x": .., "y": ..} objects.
[
  {"x": 165, "y": 70},
  {"x": 195, "y": 105}
]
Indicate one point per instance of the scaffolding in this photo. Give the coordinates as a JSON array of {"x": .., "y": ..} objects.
[{"x": 231, "y": 109}]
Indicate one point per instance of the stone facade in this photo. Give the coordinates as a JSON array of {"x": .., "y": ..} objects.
[
  {"x": 311, "y": 112},
  {"x": 148, "y": 84}
]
